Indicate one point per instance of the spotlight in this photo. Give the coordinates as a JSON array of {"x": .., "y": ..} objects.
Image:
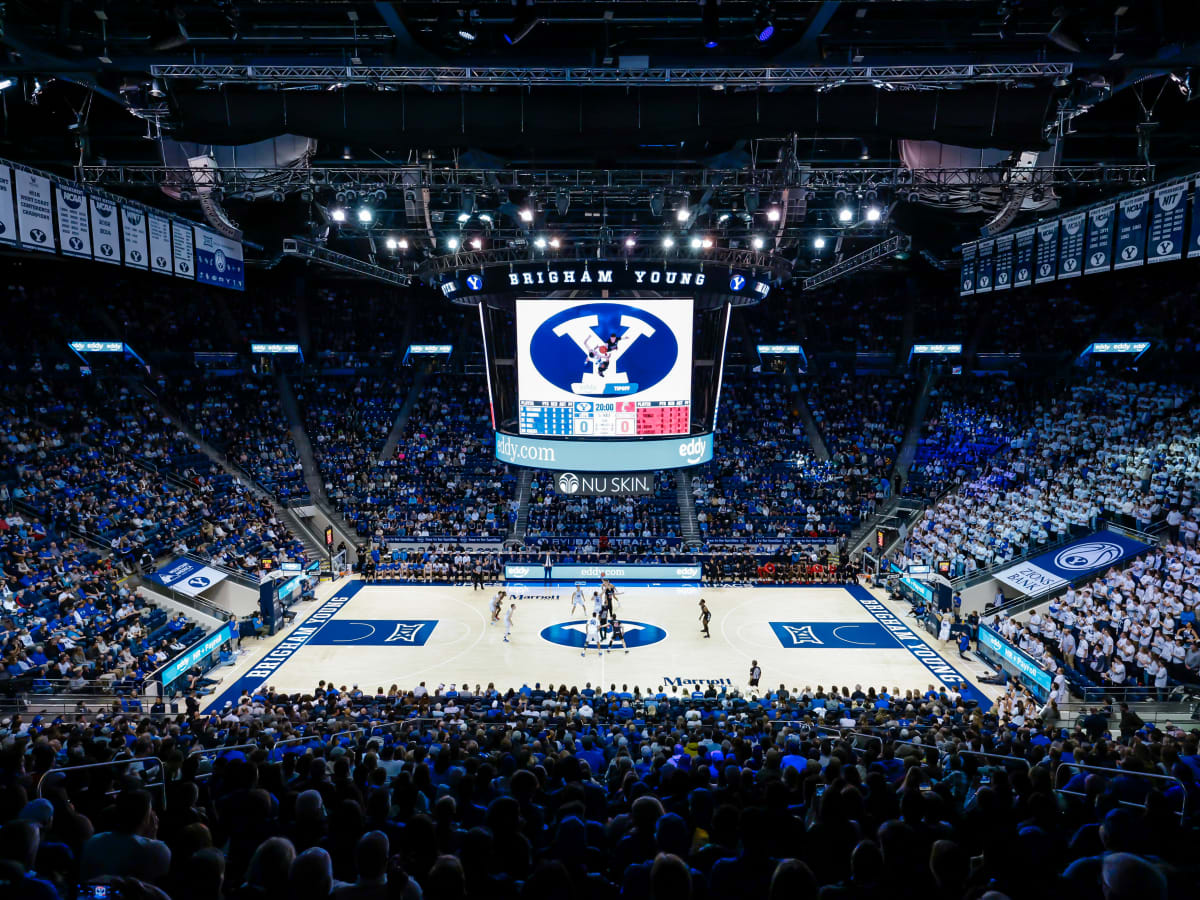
[
  {"x": 346, "y": 154},
  {"x": 873, "y": 214},
  {"x": 476, "y": 244},
  {"x": 338, "y": 215},
  {"x": 696, "y": 243},
  {"x": 844, "y": 214},
  {"x": 540, "y": 243},
  {"x": 156, "y": 88},
  {"x": 452, "y": 243},
  {"x": 554, "y": 243},
  {"x": 467, "y": 34},
  {"x": 773, "y": 214},
  {"x": 464, "y": 218},
  {"x": 390, "y": 243},
  {"x": 764, "y": 23},
  {"x": 722, "y": 218},
  {"x": 5, "y": 84},
  {"x": 1066, "y": 33},
  {"x": 277, "y": 196},
  {"x": 668, "y": 242},
  {"x": 757, "y": 243},
  {"x": 364, "y": 215},
  {"x": 402, "y": 243},
  {"x": 630, "y": 243},
  {"x": 706, "y": 243},
  {"x": 380, "y": 195},
  {"x": 710, "y": 18},
  {"x": 562, "y": 202},
  {"x": 681, "y": 215},
  {"x": 523, "y": 23},
  {"x": 657, "y": 202},
  {"x": 340, "y": 196},
  {"x": 485, "y": 218},
  {"x": 863, "y": 151},
  {"x": 526, "y": 214},
  {"x": 819, "y": 243}
]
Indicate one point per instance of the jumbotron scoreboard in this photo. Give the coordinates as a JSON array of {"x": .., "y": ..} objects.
[{"x": 598, "y": 418}]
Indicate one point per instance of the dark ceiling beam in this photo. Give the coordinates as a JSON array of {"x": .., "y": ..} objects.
[
  {"x": 407, "y": 47},
  {"x": 806, "y": 47}
]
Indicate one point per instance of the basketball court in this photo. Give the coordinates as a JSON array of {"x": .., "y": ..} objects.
[{"x": 376, "y": 635}]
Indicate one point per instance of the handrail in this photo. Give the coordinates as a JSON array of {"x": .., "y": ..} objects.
[
  {"x": 1015, "y": 759},
  {"x": 161, "y": 784},
  {"x": 1151, "y": 775},
  {"x": 214, "y": 752}
]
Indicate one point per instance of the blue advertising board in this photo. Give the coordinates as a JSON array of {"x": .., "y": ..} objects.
[
  {"x": 611, "y": 571},
  {"x": 604, "y": 455},
  {"x": 198, "y": 652},
  {"x": 1017, "y": 660}
]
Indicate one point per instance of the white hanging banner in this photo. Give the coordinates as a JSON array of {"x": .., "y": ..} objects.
[
  {"x": 181, "y": 241},
  {"x": 35, "y": 212},
  {"x": 159, "y": 231},
  {"x": 73, "y": 234},
  {"x": 105, "y": 240},
  {"x": 133, "y": 238},
  {"x": 8, "y": 216}
]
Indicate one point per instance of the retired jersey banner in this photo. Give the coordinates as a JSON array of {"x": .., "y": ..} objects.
[
  {"x": 158, "y": 231},
  {"x": 181, "y": 243},
  {"x": 106, "y": 242},
  {"x": 8, "y": 216},
  {"x": 1098, "y": 256},
  {"x": 1131, "y": 232},
  {"x": 1047, "y": 252},
  {"x": 74, "y": 236},
  {"x": 1004, "y": 262},
  {"x": 219, "y": 260},
  {"x": 35, "y": 212},
  {"x": 966, "y": 284},
  {"x": 1194, "y": 237},
  {"x": 1023, "y": 258},
  {"x": 983, "y": 267},
  {"x": 133, "y": 238},
  {"x": 1164, "y": 238},
  {"x": 1070, "y": 250}
]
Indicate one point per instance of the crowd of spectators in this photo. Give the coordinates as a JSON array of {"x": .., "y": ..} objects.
[{"x": 596, "y": 524}]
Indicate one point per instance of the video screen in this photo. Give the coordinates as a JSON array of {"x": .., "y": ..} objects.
[{"x": 604, "y": 368}]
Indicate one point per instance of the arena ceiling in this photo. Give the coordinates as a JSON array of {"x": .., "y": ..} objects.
[{"x": 569, "y": 91}]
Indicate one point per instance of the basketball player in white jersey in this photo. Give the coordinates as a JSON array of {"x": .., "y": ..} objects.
[
  {"x": 508, "y": 621},
  {"x": 597, "y": 604},
  {"x": 577, "y": 600},
  {"x": 592, "y": 636}
]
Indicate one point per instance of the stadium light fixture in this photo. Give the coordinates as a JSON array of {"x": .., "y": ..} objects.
[
  {"x": 540, "y": 243},
  {"x": 696, "y": 243},
  {"x": 452, "y": 243},
  {"x": 706, "y": 243},
  {"x": 526, "y": 214},
  {"x": 464, "y": 218},
  {"x": 338, "y": 215},
  {"x": 365, "y": 215},
  {"x": 390, "y": 243},
  {"x": 668, "y": 242},
  {"x": 764, "y": 23},
  {"x": 485, "y": 218},
  {"x": 874, "y": 214},
  {"x": 630, "y": 242},
  {"x": 773, "y": 214},
  {"x": 757, "y": 243},
  {"x": 554, "y": 243},
  {"x": 819, "y": 242},
  {"x": 681, "y": 215},
  {"x": 346, "y": 153},
  {"x": 476, "y": 244},
  {"x": 402, "y": 243},
  {"x": 844, "y": 214},
  {"x": 523, "y": 23},
  {"x": 710, "y": 18},
  {"x": 722, "y": 218}
]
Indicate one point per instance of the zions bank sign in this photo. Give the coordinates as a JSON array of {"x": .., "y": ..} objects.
[{"x": 667, "y": 277}]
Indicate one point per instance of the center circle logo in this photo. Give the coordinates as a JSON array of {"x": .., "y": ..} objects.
[
  {"x": 571, "y": 634},
  {"x": 568, "y": 483},
  {"x": 603, "y": 349},
  {"x": 1090, "y": 555}
]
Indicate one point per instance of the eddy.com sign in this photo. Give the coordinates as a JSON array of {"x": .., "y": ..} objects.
[{"x": 605, "y": 455}]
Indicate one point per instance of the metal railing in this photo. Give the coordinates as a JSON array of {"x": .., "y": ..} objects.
[
  {"x": 1075, "y": 768},
  {"x": 160, "y": 785},
  {"x": 1000, "y": 756}
]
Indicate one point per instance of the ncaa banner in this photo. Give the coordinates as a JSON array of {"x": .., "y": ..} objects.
[
  {"x": 967, "y": 281},
  {"x": 1164, "y": 239},
  {"x": 8, "y": 217},
  {"x": 1070, "y": 251},
  {"x": 188, "y": 576},
  {"x": 983, "y": 270},
  {"x": 1023, "y": 258},
  {"x": 1194, "y": 237},
  {"x": 73, "y": 231},
  {"x": 1131, "y": 232},
  {"x": 105, "y": 241},
  {"x": 158, "y": 230},
  {"x": 1098, "y": 257},
  {"x": 219, "y": 260},
  {"x": 1078, "y": 559},
  {"x": 34, "y": 211},
  {"x": 1004, "y": 262},
  {"x": 133, "y": 233},
  {"x": 181, "y": 243},
  {"x": 1047, "y": 252}
]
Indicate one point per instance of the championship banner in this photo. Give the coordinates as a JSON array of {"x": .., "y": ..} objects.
[
  {"x": 1164, "y": 239},
  {"x": 983, "y": 271},
  {"x": 1098, "y": 257},
  {"x": 133, "y": 234},
  {"x": 1070, "y": 252},
  {"x": 1023, "y": 258},
  {"x": 181, "y": 243},
  {"x": 159, "y": 231},
  {"x": 73, "y": 233},
  {"x": 105, "y": 241},
  {"x": 219, "y": 260},
  {"x": 1047, "y": 252},
  {"x": 1131, "y": 232},
  {"x": 1194, "y": 237},
  {"x": 967, "y": 281},
  {"x": 1078, "y": 559},
  {"x": 35, "y": 211},
  {"x": 1004, "y": 262},
  {"x": 8, "y": 216}
]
